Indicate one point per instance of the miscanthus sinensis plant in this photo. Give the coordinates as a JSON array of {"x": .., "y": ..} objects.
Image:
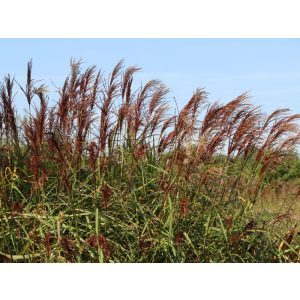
[{"x": 108, "y": 174}]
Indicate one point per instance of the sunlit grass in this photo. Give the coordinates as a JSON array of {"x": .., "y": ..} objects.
[{"x": 108, "y": 174}]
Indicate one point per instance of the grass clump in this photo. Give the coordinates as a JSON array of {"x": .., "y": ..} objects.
[{"x": 107, "y": 174}]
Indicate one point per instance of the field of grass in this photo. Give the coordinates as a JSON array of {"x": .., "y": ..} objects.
[{"x": 108, "y": 173}]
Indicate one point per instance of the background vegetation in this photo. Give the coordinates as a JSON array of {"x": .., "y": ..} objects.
[{"x": 109, "y": 174}]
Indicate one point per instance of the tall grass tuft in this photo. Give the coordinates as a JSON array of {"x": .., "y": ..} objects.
[{"x": 109, "y": 174}]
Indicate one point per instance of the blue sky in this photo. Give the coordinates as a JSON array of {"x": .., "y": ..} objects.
[{"x": 268, "y": 68}]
